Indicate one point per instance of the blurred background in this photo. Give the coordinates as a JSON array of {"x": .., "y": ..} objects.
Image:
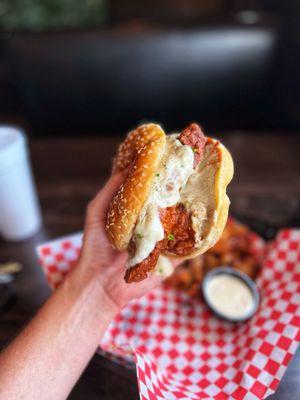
[
  {"x": 76, "y": 75},
  {"x": 102, "y": 66}
]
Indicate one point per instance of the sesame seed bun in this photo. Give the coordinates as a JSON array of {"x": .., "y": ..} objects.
[{"x": 141, "y": 150}]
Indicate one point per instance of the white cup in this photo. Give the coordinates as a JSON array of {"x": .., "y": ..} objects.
[{"x": 20, "y": 215}]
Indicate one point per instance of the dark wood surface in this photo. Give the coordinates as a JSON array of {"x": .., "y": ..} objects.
[{"x": 69, "y": 172}]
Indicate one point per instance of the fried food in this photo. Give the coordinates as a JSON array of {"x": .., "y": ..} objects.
[
  {"x": 179, "y": 239},
  {"x": 233, "y": 249}
]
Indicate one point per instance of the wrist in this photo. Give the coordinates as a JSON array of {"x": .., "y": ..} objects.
[
  {"x": 87, "y": 285},
  {"x": 110, "y": 305}
]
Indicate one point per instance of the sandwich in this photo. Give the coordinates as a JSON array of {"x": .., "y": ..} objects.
[{"x": 173, "y": 201}]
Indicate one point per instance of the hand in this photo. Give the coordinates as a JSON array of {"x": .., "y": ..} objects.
[
  {"x": 71, "y": 323},
  {"x": 99, "y": 255}
]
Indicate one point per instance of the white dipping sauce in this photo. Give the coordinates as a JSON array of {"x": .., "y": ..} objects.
[{"x": 230, "y": 296}]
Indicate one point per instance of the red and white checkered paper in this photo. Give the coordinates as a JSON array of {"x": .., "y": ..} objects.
[{"x": 182, "y": 351}]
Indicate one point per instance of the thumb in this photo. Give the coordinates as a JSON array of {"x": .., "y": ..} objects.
[{"x": 99, "y": 205}]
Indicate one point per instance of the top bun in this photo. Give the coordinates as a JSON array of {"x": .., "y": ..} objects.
[{"x": 141, "y": 150}]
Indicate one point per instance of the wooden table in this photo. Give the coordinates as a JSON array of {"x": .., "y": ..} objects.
[{"x": 69, "y": 171}]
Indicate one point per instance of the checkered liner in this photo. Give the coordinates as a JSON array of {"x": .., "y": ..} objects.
[{"x": 182, "y": 351}]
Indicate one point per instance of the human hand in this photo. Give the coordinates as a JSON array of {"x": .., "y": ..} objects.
[{"x": 98, "y": 254}]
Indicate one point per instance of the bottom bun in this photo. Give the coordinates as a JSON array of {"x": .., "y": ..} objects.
[{"x": 204, "y": 196}]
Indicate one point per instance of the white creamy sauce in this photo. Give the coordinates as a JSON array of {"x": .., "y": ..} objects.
[
  {"x": 164, "y": 267},
  {"x": 230, "y": 296},
  {"x": 174, "y": 169}
]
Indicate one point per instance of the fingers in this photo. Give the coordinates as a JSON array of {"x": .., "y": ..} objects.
[
  {"x": 106, "y": 194},
  {"x": 176, "y": 262},
  {"x": 99, "y": 205}
]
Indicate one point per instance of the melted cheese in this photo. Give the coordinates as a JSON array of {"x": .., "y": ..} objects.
[
  {"x": 164, "y": 267},
  {"x": 175, "y": 168}
]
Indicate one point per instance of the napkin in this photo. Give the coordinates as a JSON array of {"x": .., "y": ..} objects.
[{"x": 182, "y": 351}]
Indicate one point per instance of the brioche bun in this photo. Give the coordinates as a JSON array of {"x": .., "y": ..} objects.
[{"x": 141, "y": 150}]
